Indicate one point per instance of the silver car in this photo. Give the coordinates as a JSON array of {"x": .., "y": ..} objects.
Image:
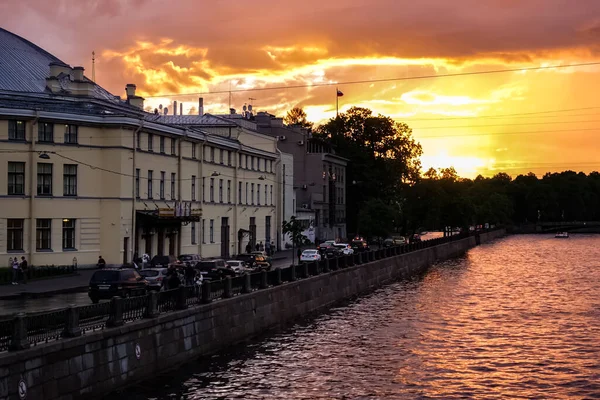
[
  {"x": 238, "y": 266},
  {"x": 155, "y": 277}
]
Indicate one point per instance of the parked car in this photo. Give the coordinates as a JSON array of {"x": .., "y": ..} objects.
[
  {"x": 110, "y": 282},
  {"x": 162, "y": 261},
  {"x": 154, "y": 277},
  {"x": 329, "y": 250},
  {"x": 323, "y": 247},
  {"x": 359, "y": 244},
  {"x": 238, "y": 266},
  {"x": 261, "y": 263},
  {"x": 189, "y": 259},
  {"x": 310, "y": 255},
  {"x": 415, "y": 238},
  {"x": 248, "y": 258},
  {"x": 264, "y": 255},
  {"x": 344, "y": 248},
  {"x": 209, "y": 269}
]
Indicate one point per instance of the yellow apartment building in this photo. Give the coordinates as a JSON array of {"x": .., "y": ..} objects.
[{"x": 84, "y": 173}]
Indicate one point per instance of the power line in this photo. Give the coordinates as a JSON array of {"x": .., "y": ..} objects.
[
  {"x": 510, "y": 124},
  {"x": 508, "y": 115},
  {"x": 408, "y": 78},
  {"x": 505, "y": 133}
]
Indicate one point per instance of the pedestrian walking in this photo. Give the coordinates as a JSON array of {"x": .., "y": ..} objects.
[
  {"x": 15, "y": 271},
  {"x": 248, "y": 248},
  {"x": 261, "y": 247},
  {"x": 145, "y": 260},
  {"x": 190, "y": 274},
  {"x": 272, "y": 247},
  {"x": 268, "y": 248},
  {"x": 257, "y": 247},
  {"x": 101, "y": 263},
  {"x": 24, "y": 269},
  {"x": 299, "y": 253}
]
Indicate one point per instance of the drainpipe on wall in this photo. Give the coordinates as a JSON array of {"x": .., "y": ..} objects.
[
  {"x": 201, "y": 175},
  {"x": 179, "y": 181},
  {"x": 133, "y": 198},
  {"x": 278, "y": 204},
  {"x": 236, "y": 244},
  {"x": 32, "y": 175}
]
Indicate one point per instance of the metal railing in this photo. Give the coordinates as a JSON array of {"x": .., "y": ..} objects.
[{"x": 22, "y": 331}]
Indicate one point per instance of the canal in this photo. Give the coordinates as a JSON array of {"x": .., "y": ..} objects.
[{"x": 518, "y": 318}]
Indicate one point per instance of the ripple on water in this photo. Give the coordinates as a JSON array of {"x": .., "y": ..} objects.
[{"x": 515, "y": 319}]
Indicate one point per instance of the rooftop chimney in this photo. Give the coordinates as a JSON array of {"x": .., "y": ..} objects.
[
  {"x": 166, "y": 111},
  {"x": 132, "y": 99},
  {"x": 200, "y": 106},
  {"x": 57, "y": 67},
  {"x": 78, "y": 73},
  {"x": 175, "y": 107},
  {"x": 232, "y": 111},
  {"x": 180, "y": 108}
]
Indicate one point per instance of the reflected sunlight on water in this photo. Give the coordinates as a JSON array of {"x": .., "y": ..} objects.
[{"x": 515, "y": 319}]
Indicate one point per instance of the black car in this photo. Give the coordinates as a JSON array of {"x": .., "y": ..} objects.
[
  {"x": 211, "y": 269},
  {"x": 359, "y": 245},
  {"x": 110, "y": 282},
  {"x": 162, "y": 261},
  {"x": 328, "y": 250}
]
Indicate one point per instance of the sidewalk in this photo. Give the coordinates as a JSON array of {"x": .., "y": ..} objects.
[{"x": 48, "y": 287}]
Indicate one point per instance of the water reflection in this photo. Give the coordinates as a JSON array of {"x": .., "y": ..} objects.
[{"x": 514, "y": 319}]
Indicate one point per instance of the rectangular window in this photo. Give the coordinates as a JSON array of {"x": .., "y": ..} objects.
[
  {"x": 266, "y": 196},
  {"x": 252, "y": 193},
  {"x": 252, "y": 162},
  {"x": 228, "y": 157},
  {"x": 211, "y": 193},
  {"x": 239, "y": 192},
  {"x": 221, "y": 156},
  {"x": 16, "y": 130},
  {"x": 240, "y": 161},
  {"x": 271, "y": 189},
  {"x": 137, "y": 183},
  {"x": 203, "y": 230},
  {"x": 161, "y": 185},
  {"x": 139, "y": 141},
  {"x": 247, "y": 193},
  {"x": 150, "y": 142},
  {"x": 43, "y": 234},
  {"x": 161, "y": 145},
  {"x": 203, "y": 189},
  {"x": 228, "y": 191},
  {"x": 173, "y": 176},
  {"x": 71, "y": 133},
  {"x": 271, "y": 165},
  {"x": 193, "y": 232},
  {"x": 258, "y": 194},
  {"x": 212, "y": 154},
  {"x": 70, "y": 180},
  {"x": 150, "y": 173},
  {"x": 194, "y": 150},
  {"x": 14, "y": 234},
  {"x": 45, "y": 132},
  {"x": 212, "y": 231},
  {"x": 246, "y": 161},
  {"x": 193, "y": 187},
  {"x": 16, "y": 178},
  {"x": 173, "y": 145},
  {"x": 220, "y": 190},
  {"x": 44, "y": 178},
  {"x": 68, "y": 234}
]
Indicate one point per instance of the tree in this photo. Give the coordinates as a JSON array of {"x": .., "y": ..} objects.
[
  {"x": 376, "y": 219},
  {"x": 297, "y": 116},
  {"x": 384, "y": 157},
  {"x": 293, "y": 227}
]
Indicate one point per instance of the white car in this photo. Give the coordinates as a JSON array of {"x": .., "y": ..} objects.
[
  {"x": 345, "y": 248},
  {"x": 310, "y": 255},
  {"x": 238, "y": 266}
]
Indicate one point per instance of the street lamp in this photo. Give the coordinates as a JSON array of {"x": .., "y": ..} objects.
[
  {"x": 262, "y": 178},
  {"x": 44, "y": 156},
  {"x": 215, "y": 174}
]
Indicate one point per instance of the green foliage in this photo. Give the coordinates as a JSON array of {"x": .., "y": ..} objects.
[
  {"x": 297, "y": 116},
  {"x": 293, "y": 227},
  {"x": 384, "y": 158},
  {"x": 376, "y": 219}
]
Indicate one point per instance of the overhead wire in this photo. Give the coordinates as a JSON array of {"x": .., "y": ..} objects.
[{"x": 382, "y": 80}]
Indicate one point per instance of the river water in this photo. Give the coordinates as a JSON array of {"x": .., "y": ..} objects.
[{"x": 518, "y": 318}]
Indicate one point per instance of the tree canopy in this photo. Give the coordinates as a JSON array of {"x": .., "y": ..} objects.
[{"x": 297, "y": 116}]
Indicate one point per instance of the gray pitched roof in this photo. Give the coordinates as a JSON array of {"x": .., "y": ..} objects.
[
  {"x": 191, "y": 120},
  {"x": 24, "y": 67}
]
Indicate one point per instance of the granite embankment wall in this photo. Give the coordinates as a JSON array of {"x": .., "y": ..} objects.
[{"x": 100, "y": 362}]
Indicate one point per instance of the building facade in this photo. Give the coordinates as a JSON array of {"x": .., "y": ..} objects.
[{"x": 84, "y": 173}]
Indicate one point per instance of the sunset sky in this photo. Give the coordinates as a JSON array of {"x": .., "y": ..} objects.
[{"x": 539, "y": 121}]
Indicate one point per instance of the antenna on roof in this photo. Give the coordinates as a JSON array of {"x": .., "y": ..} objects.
[{"x": 94, "y": 66}]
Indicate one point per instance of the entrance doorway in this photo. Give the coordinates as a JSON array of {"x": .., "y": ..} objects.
[
  {"x": 125, "y": 250},
  {"x": 225, "y": 237},
  {"x": 252, "y": 227}
]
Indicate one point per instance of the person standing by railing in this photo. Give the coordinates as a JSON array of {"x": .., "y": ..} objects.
[
  {"x": 24, "y": 269},
  {"x": 15, "y": 271}
]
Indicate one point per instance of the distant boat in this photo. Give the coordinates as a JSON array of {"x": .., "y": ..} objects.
[{"x": 562, "y": 235}]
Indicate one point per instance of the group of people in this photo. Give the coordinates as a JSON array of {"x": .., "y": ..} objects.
[
  {"x": 176, "y": 277},
  {"x": 268, "y": 248},
  {"x": 20, "y": 270}
]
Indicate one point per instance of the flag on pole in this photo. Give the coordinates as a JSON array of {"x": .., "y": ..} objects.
[{"x": 339, "y": 93}]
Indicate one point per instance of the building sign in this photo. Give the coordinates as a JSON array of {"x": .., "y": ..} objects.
[{"x": 182, "y": 210}]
